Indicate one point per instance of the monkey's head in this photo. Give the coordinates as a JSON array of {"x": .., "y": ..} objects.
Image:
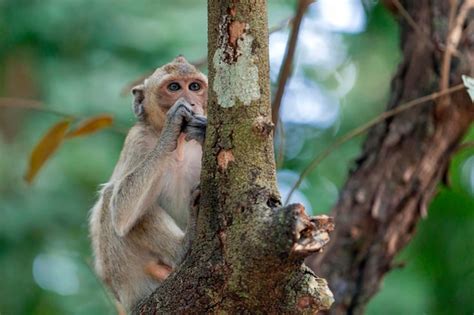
[{"x": 175, "y": 80}]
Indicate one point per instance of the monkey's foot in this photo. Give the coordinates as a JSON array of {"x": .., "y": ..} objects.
[{"x": 158, "y": 271}]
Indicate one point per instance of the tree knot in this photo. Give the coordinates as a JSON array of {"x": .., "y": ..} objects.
[{"x": 310, "y": 234}]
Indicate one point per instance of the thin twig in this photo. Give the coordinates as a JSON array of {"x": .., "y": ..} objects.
[
  {"x": 365, "y": 127},
  {"x": 281, "y": 147},
  {"x": 412, "y": 23},
  {"x": 453, "y": 6},
  {"x": 31, "y": 105},
  {"x": 452, "y": 42},
  {"x": 285, "y": 70},
  {"x": 28, "y": 104}
]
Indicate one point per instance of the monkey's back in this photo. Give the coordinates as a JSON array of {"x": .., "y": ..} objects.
[
  {"x": 118, "y": 261},
  {"x": 121, "y": 261}
]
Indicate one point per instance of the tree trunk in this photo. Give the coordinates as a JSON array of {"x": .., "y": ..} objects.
[
  {"x": 402, "y": 161},
  {"x": 248, "y": 251}
]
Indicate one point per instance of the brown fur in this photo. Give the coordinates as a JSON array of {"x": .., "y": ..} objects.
[{"x": 140, "y": 219}]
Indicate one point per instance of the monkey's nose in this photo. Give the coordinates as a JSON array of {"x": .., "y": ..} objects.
[{"x": 192, "y": 104}]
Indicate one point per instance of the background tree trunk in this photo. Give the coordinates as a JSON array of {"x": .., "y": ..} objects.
[
  {"x": 248, "y": 252},
  {"x": 402, "y": 161}
]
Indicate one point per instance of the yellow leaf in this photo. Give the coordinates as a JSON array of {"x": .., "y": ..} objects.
[
  {"x": 91, "y": 125},
  {"x": 45, "y": 148}
]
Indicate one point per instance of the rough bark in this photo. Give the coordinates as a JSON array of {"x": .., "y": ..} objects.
[
  {"x": 248, "y": 252},
  {"x": 402, "y": 162}
]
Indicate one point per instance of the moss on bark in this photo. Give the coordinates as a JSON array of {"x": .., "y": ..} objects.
[{"x": 248, "y": 252}]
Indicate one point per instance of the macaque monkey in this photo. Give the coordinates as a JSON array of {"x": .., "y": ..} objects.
[{"x": 139, "y": 223}]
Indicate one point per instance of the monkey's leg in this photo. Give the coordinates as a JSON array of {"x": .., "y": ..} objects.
[{"x": 158, "y": 271}]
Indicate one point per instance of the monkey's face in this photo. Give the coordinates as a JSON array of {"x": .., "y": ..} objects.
[
  {"x": 175, "y": 80},
  {"x": 190, "y": 88}
]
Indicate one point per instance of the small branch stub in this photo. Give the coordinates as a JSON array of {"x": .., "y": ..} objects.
[
  {"x": 263, "y": 127},
  {"x": 311, "y": 234}
]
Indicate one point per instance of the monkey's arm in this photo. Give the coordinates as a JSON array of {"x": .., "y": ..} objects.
[{"x": 138, "y": 188}]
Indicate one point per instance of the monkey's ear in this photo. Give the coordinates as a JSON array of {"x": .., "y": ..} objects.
[{"x": 138, "y": 100}]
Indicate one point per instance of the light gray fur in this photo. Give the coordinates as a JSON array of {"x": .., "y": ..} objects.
[{"x": 143, "y": 210}]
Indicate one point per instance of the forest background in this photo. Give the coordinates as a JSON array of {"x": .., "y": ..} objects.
[{"x": 77, "y": 58}]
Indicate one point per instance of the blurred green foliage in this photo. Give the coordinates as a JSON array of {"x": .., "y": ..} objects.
[{"x": 77, "y": 55}]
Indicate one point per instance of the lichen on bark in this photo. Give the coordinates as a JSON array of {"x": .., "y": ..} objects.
[
  {"x": 247, "y": 256},
  {"x": 236, "y": 75}
]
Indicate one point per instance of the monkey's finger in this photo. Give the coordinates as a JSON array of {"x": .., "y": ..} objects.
[
  {"x": 194, "y": 135},
  {"x": 200, "y": 117},
  {"x": 180, "y": 108},
  {"x": 179, "y": 116},
  {"x": 198, "y": 121},
  {"x": 181, "y": 102},
  {"x": 183, "y": 110}
]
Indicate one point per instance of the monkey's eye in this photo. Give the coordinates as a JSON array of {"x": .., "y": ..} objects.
[
  {"x": 195, "y": 86},
  {"x": 173, "y": 87}
]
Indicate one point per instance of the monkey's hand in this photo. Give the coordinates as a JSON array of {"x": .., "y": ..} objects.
[
  {"x": 178, "y": 116},
  {"x": 196, "y": 129}
]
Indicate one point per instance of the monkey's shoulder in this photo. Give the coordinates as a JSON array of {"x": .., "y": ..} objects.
[{"x": 142, "y": 135}]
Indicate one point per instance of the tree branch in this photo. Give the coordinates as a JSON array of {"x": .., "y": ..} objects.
[
  {"x": 401, "y": 9},
  {"x": 35, "y": 105},
  {"x": 285, "y": 69},
  {"x": 452, "y": 42},
  {"x": 364, "y": 128},
  {"x": 242, "y": 230},
  {"x": 397, "y": 174},
  {"x": 29, "y": 104}
]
